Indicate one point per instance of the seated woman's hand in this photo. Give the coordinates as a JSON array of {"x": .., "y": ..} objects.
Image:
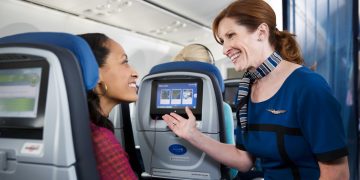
[{"x": 182, "y": 127}]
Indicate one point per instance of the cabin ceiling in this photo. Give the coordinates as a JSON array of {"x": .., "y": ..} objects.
[{"x": 178, "y": 21}]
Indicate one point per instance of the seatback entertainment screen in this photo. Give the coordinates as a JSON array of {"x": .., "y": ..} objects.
[
  {"x": 230, "y": 95},
  {"x": 174, "y": 95},
  {"x": 19, "y": 92},
  {"x": 23, "y": 91}
]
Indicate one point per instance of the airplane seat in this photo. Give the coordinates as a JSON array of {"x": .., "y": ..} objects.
[
  {"x": 169, "y": 87},
  {"x": 116, "y": 117},
  {"x": 227, "y": 107},
  {"x": 44, "y": 130},
  {"x": 229, "y": 128}
]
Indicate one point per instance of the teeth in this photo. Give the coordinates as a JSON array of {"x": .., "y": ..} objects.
[
  {"x": 132, "y": 85},
  {"x": 234, "y": 56}
]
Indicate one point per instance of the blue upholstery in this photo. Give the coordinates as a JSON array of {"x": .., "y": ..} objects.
[
  {"x": 75, "y": 44},
  {"x": 190, "y": 66},
  {"x": 229, "y": 126}
]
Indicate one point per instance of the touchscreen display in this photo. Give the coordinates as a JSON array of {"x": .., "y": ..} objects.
[
  {"x": 176, "y": 95},
  {"x": 230, "y": 94},
  {"x": 19, "y": 92},
  {"x": 23, "y": 91},
  {"x": 173, "y": 95}
]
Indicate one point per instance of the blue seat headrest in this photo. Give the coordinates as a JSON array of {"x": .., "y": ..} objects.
[
  {"x": 77, "y": 45},
  {"x": 191, "y": 66}
]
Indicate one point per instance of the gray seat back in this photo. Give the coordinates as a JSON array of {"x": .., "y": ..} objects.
[
  {"x": 57, "y": 143},
  {"x": 166, "y": 88}
]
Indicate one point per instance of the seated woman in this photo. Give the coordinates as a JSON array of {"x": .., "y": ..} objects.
[
  {"x": 195, "y": 52},
  {"x": 116, "y": 84}
]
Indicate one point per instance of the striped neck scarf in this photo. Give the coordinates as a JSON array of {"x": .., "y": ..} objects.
[{"x": 245, "y": 86}]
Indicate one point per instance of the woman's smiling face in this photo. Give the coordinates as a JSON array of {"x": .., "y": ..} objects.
[
  {"x": 240, "y": 45},
  {"x": 118, "y": 75}
]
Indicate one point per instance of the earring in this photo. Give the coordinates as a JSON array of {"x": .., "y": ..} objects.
[
  {"x": 259, "y": 39},
  {"x": 103, "y": 88}
]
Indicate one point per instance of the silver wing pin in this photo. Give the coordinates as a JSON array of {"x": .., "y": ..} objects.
[{"x": 276, "y": 112}]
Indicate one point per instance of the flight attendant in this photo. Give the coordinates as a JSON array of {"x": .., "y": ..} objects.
[{"x": 288, "y": 115}]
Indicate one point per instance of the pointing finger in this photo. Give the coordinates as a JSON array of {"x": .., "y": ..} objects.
[{"x": 189, "y": 113}]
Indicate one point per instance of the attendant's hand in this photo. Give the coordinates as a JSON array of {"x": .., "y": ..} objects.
[{"x": 182, "y": 127}]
